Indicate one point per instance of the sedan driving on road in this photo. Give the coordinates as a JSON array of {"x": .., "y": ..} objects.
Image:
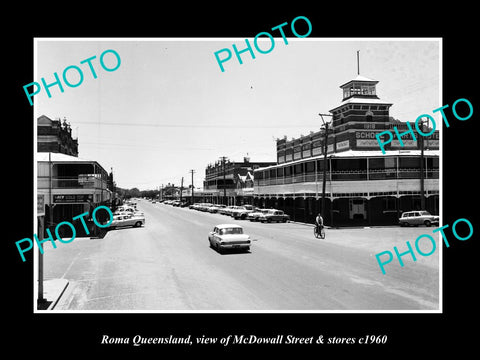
[{"x": 229, "y": 236}]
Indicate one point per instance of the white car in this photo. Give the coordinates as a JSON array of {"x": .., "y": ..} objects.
[
  {"x": 416, "y": 218},
  {"x": 126, "y": 220},
  {"x": 243, "y": 212},
  {"x": 135, "y": 213},
  {"x": 255, "y": 216},
  {"x": 229, "y": 236},
  {"x": 273, "y": 215}
]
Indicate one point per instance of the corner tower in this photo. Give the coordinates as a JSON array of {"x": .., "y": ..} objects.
[{"x": 360, "y": 116}]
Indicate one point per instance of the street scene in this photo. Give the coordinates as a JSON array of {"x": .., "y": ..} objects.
[
  {"x": 168, "y": 265},
  {"x": 216, "y": 180}
]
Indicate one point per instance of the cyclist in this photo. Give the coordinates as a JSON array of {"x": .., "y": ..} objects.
[{"x": 319, "y": 222}]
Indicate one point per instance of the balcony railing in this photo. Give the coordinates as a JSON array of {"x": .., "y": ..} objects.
[
  {"x": 350, "y": 175},
  {"x": 72, "y": 183}
]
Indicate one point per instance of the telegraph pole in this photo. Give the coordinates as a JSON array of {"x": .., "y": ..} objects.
[
  {"x": 223, "y": 158},
  {"x": 325, "y": 149},
  {"x": 181, "y": 190},
  {"x": 422, "y": 176}
]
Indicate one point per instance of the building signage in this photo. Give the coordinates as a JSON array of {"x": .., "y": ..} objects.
[
  {"x": 366, "y": 135},
  {"x": 367, "y": 143},
  {"x": 73, "y": 198},
  {"x": 40, "y": 205},
  {"x": 406, "y": 143},
  {"x": 431, "y": 143},
  {"x": 343, "y": 145},
  {"x": 366, "y": 138}
]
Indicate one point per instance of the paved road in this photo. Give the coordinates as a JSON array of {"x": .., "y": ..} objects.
[{"x": 168, "y": 265}]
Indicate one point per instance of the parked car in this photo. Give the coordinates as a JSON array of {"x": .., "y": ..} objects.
[
  {"x": 126, "y": 220},
  {"x": 255, "y": 215},
  {"x": 225, "y": 210},
  {"x": 274, "y": 215},
  {"x": 135, "y": 213},
  {"x": 229, "y": 210},
  {"x": 229, "y": 236},
  {"x": 242, "y": 213},
  {"x": 215, "y": 208},
  {"x": 416, "y": 218},
  {"x": 127, "y": 210}
]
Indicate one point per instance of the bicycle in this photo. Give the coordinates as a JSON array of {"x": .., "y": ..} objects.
[{"x": 320, "y": 234}]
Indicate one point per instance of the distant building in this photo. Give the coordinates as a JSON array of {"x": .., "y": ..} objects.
[
  {"x": 231, "y": 182},
  {"x": 55, "y": 136},
  {"x": 363, "y": 186}
]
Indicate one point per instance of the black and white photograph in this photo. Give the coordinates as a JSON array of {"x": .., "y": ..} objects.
[
  {"x": 218, "y": 181},
  {"x": 267, "y": 184}
]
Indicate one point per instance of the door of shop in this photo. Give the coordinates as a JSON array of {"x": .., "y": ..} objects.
[{"x": 358, "y": 209}]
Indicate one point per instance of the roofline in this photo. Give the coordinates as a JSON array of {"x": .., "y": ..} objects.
[
  {"x": 229, "y": 225},
  {"x": 374, "y": 82}
]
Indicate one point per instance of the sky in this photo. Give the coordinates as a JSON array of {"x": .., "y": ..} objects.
[{"x": 168, "y": 108}]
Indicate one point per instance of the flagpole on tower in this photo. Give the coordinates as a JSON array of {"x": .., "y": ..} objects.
[{"x": 358, "y": 62}]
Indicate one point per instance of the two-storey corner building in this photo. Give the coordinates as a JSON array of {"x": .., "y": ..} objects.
[
  {"x": 362, "y": 185},
  {"x": 70, "y": 186}
]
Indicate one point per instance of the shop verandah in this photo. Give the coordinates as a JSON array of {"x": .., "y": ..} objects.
[{"x": 349, "y": 211}]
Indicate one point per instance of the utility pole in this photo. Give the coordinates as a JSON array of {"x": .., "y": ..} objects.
[
  {"x": 193, "y": 197},
  {"x": 181, "y": 190},
  {"x": 224, "y": 158},
  {"x": 325, "y": 149},
  {"x": 422, "y": 176}
]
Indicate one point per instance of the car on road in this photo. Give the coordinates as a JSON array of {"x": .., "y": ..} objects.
[
  {"x": 274, "y": 216},
  {"x": 121, "y": 210},
  {"x": 229, "y": 210},
  {"x": 415, "y": 218},
  {"x": 225, "y": 210},
  {"x": 215, "y": 208},
  {"x": 126, "y": 220},
  {"x": 201, "y": 206},
  {"x": 135, "y": 213},
  {"x": 229, "y": 236},
  {"x": 243, "y": 212}
]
